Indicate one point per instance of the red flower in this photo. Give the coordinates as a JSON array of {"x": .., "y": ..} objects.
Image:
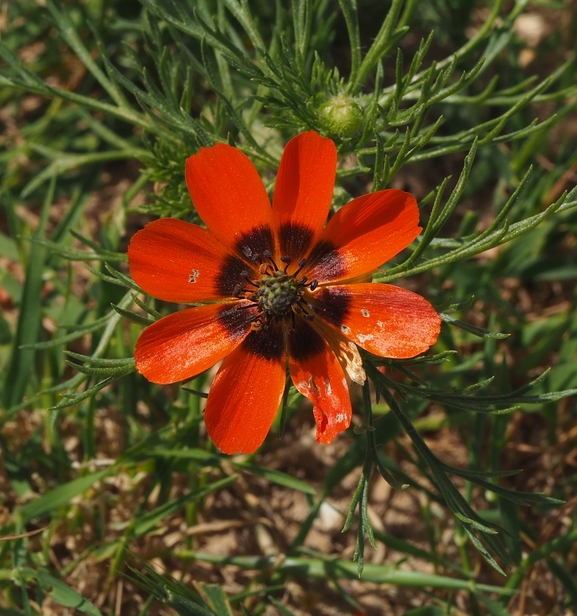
[{"x": 283, "y": 289}]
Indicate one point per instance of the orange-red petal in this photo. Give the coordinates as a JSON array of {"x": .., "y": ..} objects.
[
  {"x": 186, "y": 343},
  {"x": 318, "y": 375},
  {"x": 246, "y": 393},
  {"x": 303, "y": 192},
  {"x": 363, "y": 235},
  {"x": 230, "y": 197},
  {"x": 383, "y": 319},
  {"x": 177, "y": 261}
]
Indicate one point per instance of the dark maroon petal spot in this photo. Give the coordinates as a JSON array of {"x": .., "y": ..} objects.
[
  {"x": 230, "y": 276},
  {"x": 294, "y": 240},
  {"x": 235, "y": 320},
  {"x": 251, "y": 245},
  {"x": 332, "y": 305},
  {"x": 304, "y": 341},
  {"x": 266, "y": 343},
  {"x": 327, "y": 262}
]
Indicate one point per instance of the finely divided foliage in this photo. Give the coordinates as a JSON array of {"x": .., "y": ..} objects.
[{"x": 251, "y": 123}]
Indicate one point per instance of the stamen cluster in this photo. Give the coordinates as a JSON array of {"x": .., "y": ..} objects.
[{"x": 277, "y": 294}]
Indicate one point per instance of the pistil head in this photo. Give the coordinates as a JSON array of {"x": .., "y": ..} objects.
[{"x": 277, "y": 294}]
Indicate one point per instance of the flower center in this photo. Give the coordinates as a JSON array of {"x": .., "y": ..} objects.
[{"x": 277, "y": 294}]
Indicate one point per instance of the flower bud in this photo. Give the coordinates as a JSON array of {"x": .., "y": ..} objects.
[{"x": 342, "y": 116}]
